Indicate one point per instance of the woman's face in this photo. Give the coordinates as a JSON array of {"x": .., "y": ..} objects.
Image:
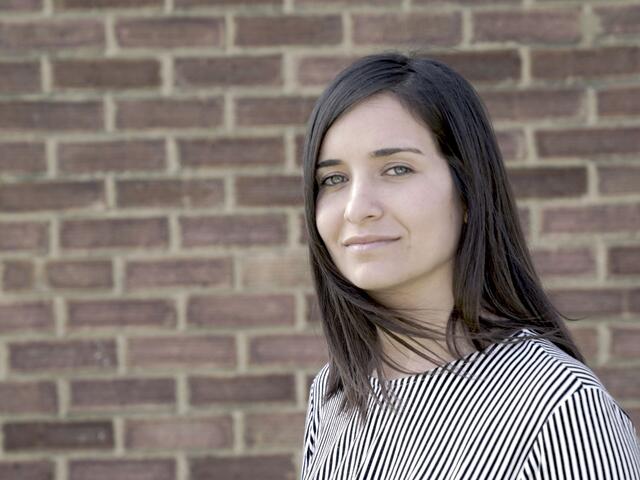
[{"x": 408, "y": 196}]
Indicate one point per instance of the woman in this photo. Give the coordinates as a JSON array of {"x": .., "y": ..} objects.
[{"x": 414, "y": 239}]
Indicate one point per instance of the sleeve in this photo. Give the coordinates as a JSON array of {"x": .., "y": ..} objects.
[
  {"x": 310, "y": 431},
  {"x": 588, "y": 436}
]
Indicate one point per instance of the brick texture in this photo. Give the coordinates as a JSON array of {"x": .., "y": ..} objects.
[{"x": 157, "y": 315}]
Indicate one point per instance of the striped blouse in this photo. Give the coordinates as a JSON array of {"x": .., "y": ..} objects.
[{"x": 522, "y": 411}]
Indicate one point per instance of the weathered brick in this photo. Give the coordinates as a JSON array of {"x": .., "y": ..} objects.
[
  {"x": 169, "y": 113},
  {"x": 621, "y": 101},
  {"x": 241, "y": 389},
  {"x": 185, "y": 351},
  {"x": 294, "y": 349},
  {"x": 224, "y": 3},
  {"x": 585, "y": 63},
  {"x": 321, "y": 69},
  {"x": 22, "y": 158},
  {"x": 623, "y": 383},
  {"x": 557, "y": 25},
  {"x": 28, "y": 397},
  {"x": 231, "y": 152},
  {"x": 195, "y": 272},
  {"x": 543, "y": 182},
  {"x": 51, "y": 195},
  {"x": 586, "y": 339},
  {"x": 588, "y": 302},
  {"x": 512, "y": 144},
  {"x": 229, "y": 71},
  {"x": 170, "y": 32},
  {"x": 115, "y": 233},
  {"x": 289, "y": 30},
  {"x": 618, "y": 20},
  {"x": 122, "y": 394},
  {"x": 51, "y": 35},
  {"x": 19, "y": 6},
  {"x": 634, "y": 300},
  {"x": 26, "y": 316},
  {"x": 105, "y": 4},
  {"x": 274, "y": 190},
  {"x": 178, "y": 193},
  {"x": 591, "y": 219},
  {"x": 283, "y": 270},
  {"x": 79, "y": 274},
  {"x": 106, "y": 74},
  {"x": 564, "y": 261},
  {"x": 352, "y": 3},
  {"x": 18, "y": 275},
  {"x": 624, "y": 341},
  {"x": 274, "y": 429},
  {"x": 123, "y": 469},
  {"x": 51, "y": 115},
  {"x": 27, "y": 469},
  {"x": 191, "y": 433},
  {"x": 588, "y": 142},
  {"x": 59, "y": 435},
  {"x": 616, "y": 180},
  {"x": 234, "y": 230},
  {"x": 271, "y": 467},
  {"x": 112, "y": 156},
  {"x": 533, "y": 104},
  {"x": 121, "y": 313},
  {"x": 416, "y": 28},
  {"x": 20, "y": 77},
  {"x": 24, "y": 236},
  {"x": 624, "y": 260},
  {"x": 471, "y": 3},
  {"x": 69, "y": 355},
  {"x": 261, "y": 111}
]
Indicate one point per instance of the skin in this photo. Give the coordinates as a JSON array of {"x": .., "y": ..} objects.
[{"x": 410, "y": 196}]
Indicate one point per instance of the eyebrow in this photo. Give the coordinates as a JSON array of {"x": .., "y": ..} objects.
[{"x": 381, "y": 152}]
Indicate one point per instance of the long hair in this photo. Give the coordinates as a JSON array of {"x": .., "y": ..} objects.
[{"x": 496, "y": 290}]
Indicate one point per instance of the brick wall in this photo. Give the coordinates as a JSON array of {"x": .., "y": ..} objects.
[{"x": 156, "y": 311}]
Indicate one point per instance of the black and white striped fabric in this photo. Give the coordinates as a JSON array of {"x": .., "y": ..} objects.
[{"x": 521, "y": 411}]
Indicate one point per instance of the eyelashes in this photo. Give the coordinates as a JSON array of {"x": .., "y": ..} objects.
[{"x": 322, "y": 182}]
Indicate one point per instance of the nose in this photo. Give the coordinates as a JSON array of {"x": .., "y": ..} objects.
[{"x": 363, "y": 202}]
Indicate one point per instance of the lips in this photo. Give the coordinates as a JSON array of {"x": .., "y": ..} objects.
[{"x": 363, "y": 247}]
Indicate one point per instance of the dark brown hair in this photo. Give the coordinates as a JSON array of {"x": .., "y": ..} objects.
[{"x": 495, "y": 287}]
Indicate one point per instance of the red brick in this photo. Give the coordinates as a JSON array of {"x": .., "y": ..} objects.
[
  {"x": 234, "y": 230},
  {"x": 51, "y": 116},
  {"x": 24, "y": 236},
  {"x": 294, "y": 349},
  {"x": 79, "y": 274},
  {"x": 591, "y": 219},
  {"x": 564, "y": 261},
  {"x": 194, "y": 272},
  {"x": 262, "y": 111},
  {"x": 634, "y": 300},
  {"x": 170, "y": 32},
  {"x": 18, "y": 6},
  {"x": 241, "y": 389},
  {"x": 534, "y": 104},
  {"x": 106, "y": 74},
  {"x": 68, "y": 355},
  {"x": 623, "y": 383},
  {"x": 623, "y": 101},
  {"x": 67, "y": 435},
  {"x": 588, "y": 142},
  {"x": 224, "y": 3},
  {"x": 235, "y": 152},
  {"x": 585, "y": 63},
  {"x": 415, "y": 28},
  {"x": 274, "y": 190},
  {"x": 177, "y": 193},
  {"x": 586, "y": 339},
  {"x": 269, "y": 271},
  {"x": 26, "y": 316},
  {"x": 240, "y": 310},
  {"x": 271, "y": 467},
  {"x": 624, "y": 260},
  {"x": 543, "y": 182},
  {"x": 51, "y": 35},
  {"x": 105, "y": 4},
  {"x": 121, "y": 313},
  {"x": 193, "y": 433},
  {"x": 230, "y": 71},
  {"x": 51, "y": 195},
  {"x": 625, "y": 342},
  {"x": 27, "y": 469},
  {"x": 274, "y": 429},
  {"x": 20, "y": 77},
  {"x": 289, "y": 30},
  {"x": 618, "y": 20},
  {"x": 589, "y": 302},
  {"x": 512, "y": 144},
  {"x": 115, "y": 233},
  {"x": 493, "y": 66},
  {"x": 169, "y": 113},
  {"x": 123, "y": 394},
  {"x": 352, "y": 3},
  {"x": 618, "y": 179},
  {"x": 112, "y": 156},
  {"x": 123, "y": 469},
  {"x": 22, "y": 158},
  {"x": 28, "y": 397},
  {"x": 185, "y": 351},
  {"x": 321, "y": 69},
  {"x": 471, "y": 3},
  {"x": 558, "y": 25},
  {"x": 18, "y": 275}
]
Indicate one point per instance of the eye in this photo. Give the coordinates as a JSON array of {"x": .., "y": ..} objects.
[
  {"x": 400, "y": 166},
  {"x": 323, "y": 181}
]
